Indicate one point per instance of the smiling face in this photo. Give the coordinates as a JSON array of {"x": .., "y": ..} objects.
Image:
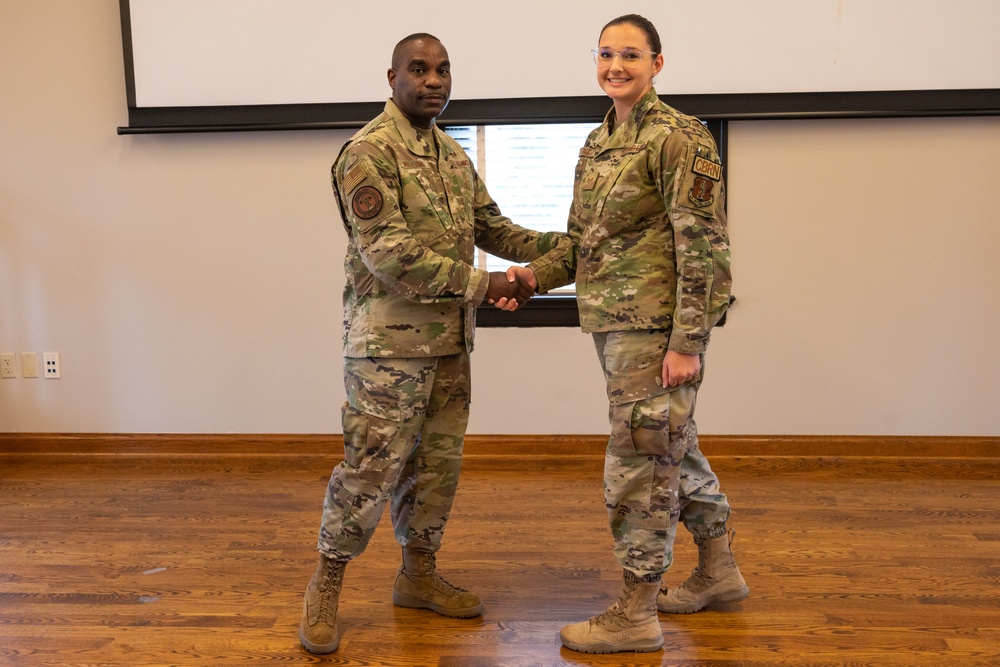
[
  {"x": 421, "y": 81},
  {"x": 627, "y": 85}
]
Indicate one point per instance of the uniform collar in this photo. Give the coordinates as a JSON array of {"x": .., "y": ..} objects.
[
  {"x": 409, "y": 134},
  {"x": 628, "y": 133}
]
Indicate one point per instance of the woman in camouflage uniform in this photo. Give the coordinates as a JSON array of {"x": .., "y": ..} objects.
[{"x": 651, "y": 264}]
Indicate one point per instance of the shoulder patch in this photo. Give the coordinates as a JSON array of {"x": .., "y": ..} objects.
[
  {"x": 353, "y": 178},
  {"x": 706, "y": 167},
  {"x": 700, "y": 193},
  {"x": 701, "y": 181},
  {"x": 367, "y": 202}
]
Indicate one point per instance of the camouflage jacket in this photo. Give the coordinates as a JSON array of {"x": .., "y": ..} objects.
[
  {"x": 414, "y": 216},
  {"x": 648, "y": 223}
]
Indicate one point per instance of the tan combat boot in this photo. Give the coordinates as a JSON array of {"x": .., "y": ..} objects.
[
  {"x": 318, "y": 630},
  {"x": 716, "y": 579},
  {"x": 419, "y": 586},
  {"x": 630, "y": 624}
]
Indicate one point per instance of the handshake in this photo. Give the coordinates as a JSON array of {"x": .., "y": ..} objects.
[{"x": 511, "y": 289}]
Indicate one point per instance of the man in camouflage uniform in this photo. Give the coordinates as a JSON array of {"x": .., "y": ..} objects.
[
  {"x": 652, "y": 269},
  {"x": 414, "y": 209}
]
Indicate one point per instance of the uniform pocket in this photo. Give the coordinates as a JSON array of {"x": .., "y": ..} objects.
[
  {"x": 379, "y": 405},
  {"x": 423, "y": 201},
  {"x": 376, "y": 399},
  {"x": 636, "y": 382},
  {"x": 367, "y": 199},
  {"x": 701, "y": 182},
  {"x": 632, "y": 419}
]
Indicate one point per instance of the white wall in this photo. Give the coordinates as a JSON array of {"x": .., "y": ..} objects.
[
  {"x": 192, "y": 283},
  {"x": 868, "y": 292}
]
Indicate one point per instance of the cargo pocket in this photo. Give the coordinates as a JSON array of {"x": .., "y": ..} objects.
[
  {"x": 633, "y": 424},
  {"x": 374, "y": 416}
]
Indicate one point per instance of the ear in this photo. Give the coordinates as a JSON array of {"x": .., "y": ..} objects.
[
  {"x": 391, "y": 75},
  {"x": 657, "y": 64}
]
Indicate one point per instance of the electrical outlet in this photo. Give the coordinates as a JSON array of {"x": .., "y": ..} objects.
[
  {"x": 29, "y": 365},
  {"x": 8, "y": 367},
  {"x": 51, "y": 361}
]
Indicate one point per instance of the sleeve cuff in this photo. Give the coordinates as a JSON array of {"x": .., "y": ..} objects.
[
  {"x": 544, "y": 274},
  {"x": 478, "y": 284},
  {"x": 686, "y": 344}
]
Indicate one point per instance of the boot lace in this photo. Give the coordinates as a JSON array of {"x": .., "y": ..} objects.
[
  {"x": 698, "y": 580},
  {"x": 329, "y": 587},
  {"x": 614, "y": 616},
  {"x": 429, "y": 569}
]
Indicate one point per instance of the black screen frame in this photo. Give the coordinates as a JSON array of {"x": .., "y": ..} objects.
[{"x": 721, "y": 107}]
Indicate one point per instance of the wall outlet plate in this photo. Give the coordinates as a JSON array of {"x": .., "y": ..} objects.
[
  {"x": 8, "y": 366},
  {"x": 51, "y": 361},
  {"x": 29, "y": 365}
]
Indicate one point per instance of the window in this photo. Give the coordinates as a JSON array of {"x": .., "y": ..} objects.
[{"x": 529, "y": 172}]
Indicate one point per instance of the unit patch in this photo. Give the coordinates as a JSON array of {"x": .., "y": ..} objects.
[
  {"x": 367, "y": 202},
  {"x": 700, "y": 193},
  {"x": 706, "y": 167}
]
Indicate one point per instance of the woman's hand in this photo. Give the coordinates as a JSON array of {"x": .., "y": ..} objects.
[{"x": 678, "y": 368}]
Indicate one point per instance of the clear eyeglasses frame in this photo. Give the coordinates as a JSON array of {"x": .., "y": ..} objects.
[{"x": 630, "y": 57}]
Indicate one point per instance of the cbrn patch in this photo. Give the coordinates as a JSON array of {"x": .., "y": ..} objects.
[{"x": 707, "y": 167}]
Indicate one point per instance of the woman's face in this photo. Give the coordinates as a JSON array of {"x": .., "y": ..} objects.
[{"x": 623, "y": 79}]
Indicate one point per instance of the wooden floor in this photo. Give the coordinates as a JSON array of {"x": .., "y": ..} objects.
[{"x": 202, "y": 560}]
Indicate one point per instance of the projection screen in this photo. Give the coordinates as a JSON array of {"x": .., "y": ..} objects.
[{"x": 271, "y": 64}]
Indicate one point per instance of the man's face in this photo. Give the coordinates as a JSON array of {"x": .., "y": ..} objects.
[{"x": 421, "y": 85}]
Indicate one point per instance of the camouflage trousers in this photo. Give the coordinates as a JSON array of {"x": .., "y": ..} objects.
[
  {"x": 654, "y": 473},
  {"x": 404, "y": 424}
]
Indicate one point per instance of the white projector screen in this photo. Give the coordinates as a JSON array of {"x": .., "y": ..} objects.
[{"x": 249, "y": 53}]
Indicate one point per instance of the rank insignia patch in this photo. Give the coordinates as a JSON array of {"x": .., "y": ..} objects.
[
  {"x": 367, "y": 202},
  {"x": 701, "y": 192}
]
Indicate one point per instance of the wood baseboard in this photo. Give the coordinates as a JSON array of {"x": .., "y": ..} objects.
[
  {"x": 755, "y": 445},
  {"x": 241, "y": 444}
]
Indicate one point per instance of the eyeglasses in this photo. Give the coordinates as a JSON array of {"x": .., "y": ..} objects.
[{"x": 630, "y": 57}]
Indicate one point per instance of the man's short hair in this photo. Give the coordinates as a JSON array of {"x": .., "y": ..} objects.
[{"x": 397, "y": 53}]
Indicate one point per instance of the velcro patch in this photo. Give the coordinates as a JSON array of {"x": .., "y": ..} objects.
[
  {"x": 367, "y": 202},
  {"x": 707, "y": 167},
  {"x": 700, "y": 193},
  {"x": 353, "y": 178}
]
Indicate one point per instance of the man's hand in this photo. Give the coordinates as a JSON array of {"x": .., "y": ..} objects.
[
  {"x": 506, "y": 292},
  {"x": 526, "y": 284},
  {"x": 678, "y": 368}
]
